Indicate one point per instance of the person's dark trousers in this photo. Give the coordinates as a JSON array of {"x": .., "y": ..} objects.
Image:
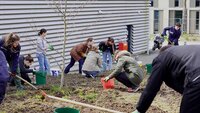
[
  {"x": 3, "y": 85},
  {"x": 81, "y": 61},
  {"x": 25, "y": 77},
  {"x": 71, "y": 64},
  {"x": 122, "y": 77},
  {"x": 191, "y": 98}
]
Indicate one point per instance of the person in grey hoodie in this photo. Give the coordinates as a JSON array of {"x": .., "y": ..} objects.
[
  {"x": 127, "y": 71},
  {"x": 93, "y": 63},
  {"x": 42, "y": 47}
]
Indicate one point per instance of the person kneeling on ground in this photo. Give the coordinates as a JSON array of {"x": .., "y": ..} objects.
[
  {"x": 24, "y": 64},
  {"x": 127, "y": 71},
  {"x": 93, "y": 63}
]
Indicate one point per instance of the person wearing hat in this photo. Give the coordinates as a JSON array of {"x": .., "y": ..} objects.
[
  {"x": 127, "y": 71},
  {"x": 174, "y": 34}
]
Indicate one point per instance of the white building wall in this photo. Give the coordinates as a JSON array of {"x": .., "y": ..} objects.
[
  {"x": 166, "y": 6},
  {"x": 99, "y": 19}
]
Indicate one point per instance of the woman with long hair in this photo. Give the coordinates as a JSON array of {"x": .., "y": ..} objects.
[{"x": 10, "y": 46}]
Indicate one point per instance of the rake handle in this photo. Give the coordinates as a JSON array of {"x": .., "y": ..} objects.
[
  {"x": 83, "y": 104},
  {"x": 27, "y": 82}
]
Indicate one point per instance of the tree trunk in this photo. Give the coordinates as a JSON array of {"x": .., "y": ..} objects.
[{"x": 64, "y": 44}]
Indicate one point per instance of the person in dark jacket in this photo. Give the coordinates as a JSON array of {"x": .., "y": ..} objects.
[
  {"x": 3, "y": 76},
  {"x": 174, "y": 34},
  {"x": 10, "y": 46},
  {"x": 178, "y": 67},
  {"x": 24, "y": 65},
  {"x": 108, "y": 48}
]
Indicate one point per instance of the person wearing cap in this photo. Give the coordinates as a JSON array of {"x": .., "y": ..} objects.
[
  {"x": 127, "y": 71},
  {"x": 108, "y": 48},
  {"x": 174, "y": 34}
]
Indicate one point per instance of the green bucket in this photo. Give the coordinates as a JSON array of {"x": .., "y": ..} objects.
[
  {"x": 40, "y": 78},
  {"x": 149, "y": 68},
  {"x": 66, "y": 110}
]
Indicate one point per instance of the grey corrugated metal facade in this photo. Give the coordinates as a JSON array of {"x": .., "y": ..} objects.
[{"x": 86, "y": 18}]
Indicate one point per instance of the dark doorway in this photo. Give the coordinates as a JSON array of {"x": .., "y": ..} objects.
[{"x": 129, "y": 36}]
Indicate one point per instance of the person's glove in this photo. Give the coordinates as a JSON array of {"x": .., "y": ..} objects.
[
  {"x": 106, "y": 79},
  {"x": 12, "y": 74},
  {"x": 34, "y": 71},
  {"x": 136, "y": 111},
  {"x": 50, "y": 47}
]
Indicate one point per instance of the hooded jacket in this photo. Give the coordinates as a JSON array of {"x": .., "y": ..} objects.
[
  {"x": 177, "y": 66},
  {"x": 3, "y": 67},
  {"x": 12, "y": 56},
  {"x": 127, "y": 64},
  {"x": 174, "y": 34}
]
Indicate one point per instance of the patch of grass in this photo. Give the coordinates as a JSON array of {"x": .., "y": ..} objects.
[
  {"x": 3, "y": 112},
  {"x": 91, "y": 96},
  {"x": 87, "y": 95},
  {"x": 20, "y": 93},
  {"x": 56, "y": 89},
  {"x": 65, "y": 97},
  {"x": 37, "y": 97},
  {"x": 190, "y": 37}
]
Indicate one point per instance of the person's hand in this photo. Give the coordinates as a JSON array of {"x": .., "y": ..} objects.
[
  {"x": 106, "y": 79},
  {"x": 162, "y": 35},
  {"x": 84, "y": 55},
  {"x": 136, "y": 111},
  {"x": 12, "y": 74},
  {"x": 50, "y": 47}
]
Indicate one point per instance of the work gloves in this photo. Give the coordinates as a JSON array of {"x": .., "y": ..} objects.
[
  {"x": 106, "y": 79},
  {"x": 12, "y": 74},
  {"x": 162, "y": 35},
  {"x": 136, "y": 111},
  {"x": 50, "y": 47}
]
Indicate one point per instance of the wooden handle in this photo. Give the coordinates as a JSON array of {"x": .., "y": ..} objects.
[
  {"x": 83, "y": 104},
  {"x": 27, "y": 82}
]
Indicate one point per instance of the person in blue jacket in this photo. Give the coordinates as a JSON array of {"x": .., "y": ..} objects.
[
  {"x": 3, "y": 76},
  {"x": 10, "y": 46},
  {"x": 174, "y": 34}
]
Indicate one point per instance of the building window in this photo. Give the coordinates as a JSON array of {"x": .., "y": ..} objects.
[
  {"x": 151, "y": 3},
  {"x": 176, "y": 3},
  {"x": 197, "y": 3},
  {"x": 156, "y": 21},
  {"x": 197, "y": 20},
  {"x": 178, "y": 16}
]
